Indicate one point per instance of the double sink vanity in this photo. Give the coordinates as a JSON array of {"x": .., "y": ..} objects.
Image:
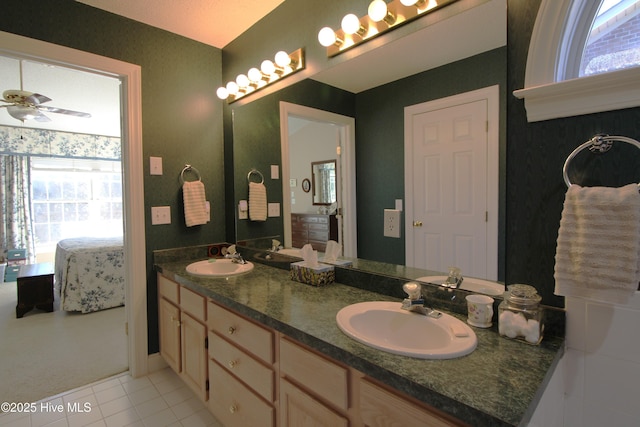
[{"x": 262, "y": 349}]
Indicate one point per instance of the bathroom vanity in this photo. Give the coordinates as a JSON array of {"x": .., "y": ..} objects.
[{"x": 261, "y": 349}]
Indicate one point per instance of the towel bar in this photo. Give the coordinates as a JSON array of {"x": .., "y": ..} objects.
[
  {"x": 598, "y": 144},
  {"x": 189, "y": 168},
  {"x": 255, "y": 171}
]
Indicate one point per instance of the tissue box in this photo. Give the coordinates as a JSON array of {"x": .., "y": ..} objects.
[{"x": 321, "y": 275}]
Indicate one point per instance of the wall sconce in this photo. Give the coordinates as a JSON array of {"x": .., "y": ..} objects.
[
  {"x": 382, "y": 17},
  {"x": 284, "y": 64}
]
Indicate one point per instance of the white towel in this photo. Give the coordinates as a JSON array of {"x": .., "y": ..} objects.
[
  {"x": 257, "y": 201},
  {"x": 195, "y": 203},
  {"x": 598, "y": 251}
]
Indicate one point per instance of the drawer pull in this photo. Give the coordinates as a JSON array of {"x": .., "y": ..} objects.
[
  {"x": 232, "y": 363},
  {"x": 233, "y": 409},
  {"x": 231, "y": 330},
  {"x": 175, "y": 321}
]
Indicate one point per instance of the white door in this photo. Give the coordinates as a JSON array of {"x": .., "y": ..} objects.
[{"x": 448, "y": 205}]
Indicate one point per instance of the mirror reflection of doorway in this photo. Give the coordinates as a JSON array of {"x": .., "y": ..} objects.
[{"x": 302, "y": 145}]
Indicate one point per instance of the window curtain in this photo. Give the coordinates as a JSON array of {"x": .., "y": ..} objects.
[{"x": 16, "y": 216}]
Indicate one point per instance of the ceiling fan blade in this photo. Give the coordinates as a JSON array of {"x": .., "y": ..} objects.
[
  {"x": 37, "y": 99},
  {"x": 63, "y": 111},
  {"x": 23, "y": 113}
]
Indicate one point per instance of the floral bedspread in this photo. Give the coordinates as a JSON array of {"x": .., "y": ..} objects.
[{"x": 89, "y": 273}]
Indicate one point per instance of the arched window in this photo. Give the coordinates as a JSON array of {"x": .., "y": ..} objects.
[{"x": 583, "y": 58}]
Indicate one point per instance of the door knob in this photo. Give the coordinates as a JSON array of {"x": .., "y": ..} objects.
[{"x": 417, "y": 223}]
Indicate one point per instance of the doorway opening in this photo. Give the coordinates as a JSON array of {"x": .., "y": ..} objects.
[{"x": 342, "y": 147}]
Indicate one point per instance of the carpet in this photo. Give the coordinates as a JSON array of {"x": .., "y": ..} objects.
[{"x": 43, "y": 354}]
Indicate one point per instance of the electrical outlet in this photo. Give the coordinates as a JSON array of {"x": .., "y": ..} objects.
[
  {"x": 273, "y": 209},
  {"x": 392, "y": 223},
  {"x": 160, "y": 215}
]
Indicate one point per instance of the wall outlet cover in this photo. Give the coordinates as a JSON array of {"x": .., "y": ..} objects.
[{"x": 392, "y": 223}]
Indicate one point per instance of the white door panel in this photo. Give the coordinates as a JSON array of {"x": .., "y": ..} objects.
[{"x": 447, "y": 195}]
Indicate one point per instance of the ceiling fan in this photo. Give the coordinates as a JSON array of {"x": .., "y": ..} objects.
[{"x": 24, "y": 105}]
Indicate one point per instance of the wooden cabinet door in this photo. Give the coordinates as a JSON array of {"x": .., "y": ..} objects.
[
  {"x": 194, "y": 355},
  {"x": 297, "y": 408},
  {"x": 169, "y": 326}
]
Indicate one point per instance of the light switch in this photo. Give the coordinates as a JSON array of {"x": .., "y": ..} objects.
[
  {"x": 275, "y": 172},
  {"x": 273, "y": 209},
  {"x": 160, "y": 215},
  {"x": 155, "y": 165}
]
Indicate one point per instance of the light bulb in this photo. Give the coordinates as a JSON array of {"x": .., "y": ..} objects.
[
  {"x": 282, "y": 59},
  {"x": 350, "y": 24},
  {"x": 327, "y": 37},
  {"x": 267, "y": 67},
  {"x": 222, "y": 92},
  {"x": 242, "y": 80},
  {"x": 232, "y": 88},
  {"x": 408, "y": 2},
  {"x": 377, "y": 10},
  {"x": 255, "y": 75}
]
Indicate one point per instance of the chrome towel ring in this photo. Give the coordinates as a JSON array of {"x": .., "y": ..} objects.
[
  {"x": 257, "y": 172},
  {"x": 189, "y": 168},
  {"x": 598, "y": 144}
]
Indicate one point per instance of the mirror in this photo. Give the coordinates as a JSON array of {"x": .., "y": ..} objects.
[
  {"x": 378, "y": 155},
  {"x": 323, "y": 182}
]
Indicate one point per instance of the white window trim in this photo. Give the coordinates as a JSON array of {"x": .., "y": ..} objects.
[{"x": 545, "y": 97}]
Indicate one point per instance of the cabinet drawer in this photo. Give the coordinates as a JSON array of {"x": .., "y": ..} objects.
[
  {"x": 381, "y": 407},
  {"x": 257, "y": 376},
  {"x": 233, "y": 403},
  {"x": 298, "y": 408},
  {"x": 320, "y": 226},
  {"x": 240, "y": 331},
  {"x": 168, "y": 289},
  {"x": 193, "y": 304},
  {"x": 325, "y": 378},
  {"x": 321, "y": 236}
]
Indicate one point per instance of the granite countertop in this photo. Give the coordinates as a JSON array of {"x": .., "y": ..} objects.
[{"x": 500, "y": 383}]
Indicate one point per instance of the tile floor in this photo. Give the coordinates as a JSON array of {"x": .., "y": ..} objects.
[{"x": 159, "y": 399}]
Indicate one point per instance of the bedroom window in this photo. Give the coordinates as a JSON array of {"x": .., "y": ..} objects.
[{"x": 75, "y": 198}]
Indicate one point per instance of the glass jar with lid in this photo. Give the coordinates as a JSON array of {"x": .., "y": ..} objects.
[{"x": 520, "y": 315}]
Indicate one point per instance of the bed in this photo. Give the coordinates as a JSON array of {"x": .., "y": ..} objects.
[{"x": 89, "y": 273}]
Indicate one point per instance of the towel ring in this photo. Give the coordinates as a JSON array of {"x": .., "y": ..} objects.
[
  {"x": 257, "y": 172},
  {"x": 599, "y": 144},
  {"x": 189, "y": 168}
]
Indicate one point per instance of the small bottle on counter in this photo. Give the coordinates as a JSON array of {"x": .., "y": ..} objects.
[{"x": 520, "y": 315}]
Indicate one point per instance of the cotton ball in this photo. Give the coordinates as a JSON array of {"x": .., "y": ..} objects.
[
  {"x": 511, "y": 332},
  {"x": 519, "y": 323},
  {"x": 505, "y": 322},
  {"x": 533, "y": 331}
]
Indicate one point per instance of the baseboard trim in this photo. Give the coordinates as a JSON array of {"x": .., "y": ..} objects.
[{"x": 155, "y": 362}]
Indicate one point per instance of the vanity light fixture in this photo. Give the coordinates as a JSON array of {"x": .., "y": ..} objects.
[
  {"x": 382, "y": 17},
  {"x": 284, "y": 64}
]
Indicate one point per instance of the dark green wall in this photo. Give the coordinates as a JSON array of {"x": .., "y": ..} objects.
[{"x": 181, "y": 115}]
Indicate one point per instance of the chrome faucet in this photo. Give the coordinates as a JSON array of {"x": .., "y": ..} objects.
[
  {"x": 233, "y": 255},
  {"x": 235, "y": 258},
  {"x": 415, "y": 301},
  {"x": 454, "y": 280}
]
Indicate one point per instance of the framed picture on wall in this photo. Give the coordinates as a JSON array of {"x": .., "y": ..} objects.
[{"x": 306, "y": 185}]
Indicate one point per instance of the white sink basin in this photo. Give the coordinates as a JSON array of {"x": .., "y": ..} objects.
[
  {"x": 480, "y": 286},
  {"x": 216, "y": 267},
  {"x": 385, "y": 326}
]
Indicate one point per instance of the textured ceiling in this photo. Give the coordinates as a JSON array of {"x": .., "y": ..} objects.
[{"x": 213, "y": 22}]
